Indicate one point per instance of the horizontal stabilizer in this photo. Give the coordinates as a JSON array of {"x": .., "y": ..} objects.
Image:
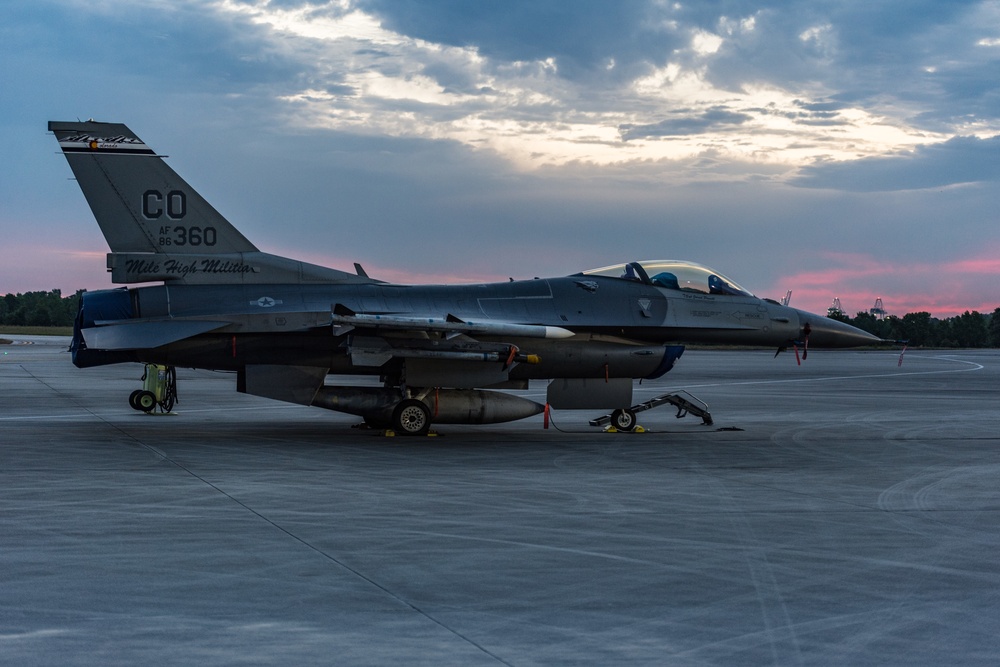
[{"x": 145, "y": 335}]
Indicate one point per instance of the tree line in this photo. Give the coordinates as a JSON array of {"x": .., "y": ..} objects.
[
  {"x": 970, "y": 329},
  {"x": 39, "y": 309}
]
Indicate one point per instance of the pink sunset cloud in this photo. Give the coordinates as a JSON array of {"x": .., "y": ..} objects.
[{"x": 944, "y": 289}]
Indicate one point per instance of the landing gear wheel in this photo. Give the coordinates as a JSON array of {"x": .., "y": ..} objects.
[
  {"x": 133, "y": 399},
  {"x": 411, "y": 417},
  {"x": 623, "y": 420},
  {"x": 146, "y": 400}
]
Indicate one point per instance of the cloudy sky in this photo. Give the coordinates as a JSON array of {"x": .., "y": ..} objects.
[{"x": 839, "y": 148}]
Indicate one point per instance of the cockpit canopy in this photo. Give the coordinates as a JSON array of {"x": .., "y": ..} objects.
[{"x": 673, "y": 274}]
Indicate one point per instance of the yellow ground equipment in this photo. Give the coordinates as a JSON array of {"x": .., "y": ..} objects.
[{"x": 159, "y": 388}]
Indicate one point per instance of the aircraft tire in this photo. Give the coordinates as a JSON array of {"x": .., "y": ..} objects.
[
  {"x": 146, "y": 401},
  {"x": 623, "y": 420},
  {"x": 411, "y": 417},
  {"x": 133, "y": 399}
]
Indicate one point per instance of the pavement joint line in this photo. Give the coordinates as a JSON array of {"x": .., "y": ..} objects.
[
  {"x": 333, "y": 559},
  {"x": 324, "y": 554},
  {"x": 309, "y": 545}
]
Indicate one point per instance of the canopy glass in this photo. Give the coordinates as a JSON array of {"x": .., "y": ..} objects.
[{"x": 673, "y": 274}]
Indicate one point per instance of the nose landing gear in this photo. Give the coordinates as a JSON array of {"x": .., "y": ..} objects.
[{"x": 623, "y": 420}]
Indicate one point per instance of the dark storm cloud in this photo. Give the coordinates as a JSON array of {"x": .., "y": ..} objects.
[
  {"x": 716, "y": 118},
  {"x": 956, "y": 161},
  {"x": 925, "y": 53},
  {"x": 583, "y": 36},
  {"x": 825, "y": 108},
  {"x": 172, "y": 48}
]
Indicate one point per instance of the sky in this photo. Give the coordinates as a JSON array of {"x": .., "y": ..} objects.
[{"x": 835, "y": 148}]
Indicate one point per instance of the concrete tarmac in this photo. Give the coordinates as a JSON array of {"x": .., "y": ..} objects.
[{"x": 841, "y": 512}]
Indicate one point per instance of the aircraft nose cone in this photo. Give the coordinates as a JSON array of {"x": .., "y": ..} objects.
[{"x": 827, "y": 332}]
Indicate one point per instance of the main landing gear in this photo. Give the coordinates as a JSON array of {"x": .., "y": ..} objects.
[
  {"x": 159, "y": 388},
  {"x": 411, "y": 417},
  {"x": 408, "y": 416}
]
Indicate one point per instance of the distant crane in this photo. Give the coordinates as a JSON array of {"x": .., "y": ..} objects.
[
  {"x": 835, "y": 310},
  {"x": 877, "y": 310},
  {"x": 788, "y": 297}
]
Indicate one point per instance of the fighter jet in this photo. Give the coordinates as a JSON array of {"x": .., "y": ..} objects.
[{"x": 289, "y": 329}]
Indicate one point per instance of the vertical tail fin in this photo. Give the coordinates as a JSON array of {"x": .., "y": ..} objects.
[{"x": 141, "y": 204}]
